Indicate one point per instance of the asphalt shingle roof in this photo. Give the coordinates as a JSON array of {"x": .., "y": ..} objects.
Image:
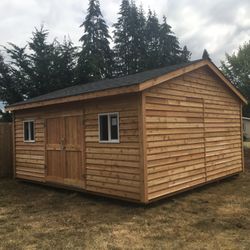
[{"x": 106, "y": 84}]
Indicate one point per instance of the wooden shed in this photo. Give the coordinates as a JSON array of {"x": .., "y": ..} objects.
[{"x": 140, "y": 137}]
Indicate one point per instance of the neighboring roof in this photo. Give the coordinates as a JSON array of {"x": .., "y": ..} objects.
[
  {"x": 246, "y": 118},
  {"x": 121, "y": 82}
]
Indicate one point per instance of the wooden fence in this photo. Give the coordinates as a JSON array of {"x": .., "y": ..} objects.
[{"x": 6, "y": 166}]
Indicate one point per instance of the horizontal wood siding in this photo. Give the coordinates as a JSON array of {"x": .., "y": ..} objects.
[
  {"x": 30, "y": 156},
  {"x": 113, "y": 168},
  {"x": 193, "y": 132}
]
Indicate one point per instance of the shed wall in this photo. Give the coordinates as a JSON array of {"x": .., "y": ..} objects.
[
  {"x": 193, "y": 131},
  {"x": 29, "y": 156},
  {"x": 110, "y": 168},
  {"x": 114, "y": 168}
]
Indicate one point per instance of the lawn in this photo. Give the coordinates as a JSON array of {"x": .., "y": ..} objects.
[{"x": 216, "y": 216}]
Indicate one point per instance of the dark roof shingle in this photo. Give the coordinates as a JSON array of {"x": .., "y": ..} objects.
[{"x": 106, "y": 84}]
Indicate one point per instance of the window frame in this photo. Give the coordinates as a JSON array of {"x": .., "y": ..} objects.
[
  {"x": 29, "y": 121},
  {"x": 109, "y": 128}
]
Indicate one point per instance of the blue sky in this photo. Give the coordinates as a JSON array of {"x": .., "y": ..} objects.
[{"x": 219, "y": 26}]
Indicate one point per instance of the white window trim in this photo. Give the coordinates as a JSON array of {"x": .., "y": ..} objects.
[
  {"x": 29, "y": 131},
  {"x": 109, "y": 128}
]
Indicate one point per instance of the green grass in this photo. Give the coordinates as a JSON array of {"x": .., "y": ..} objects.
[{"x": 216, "y": 216}]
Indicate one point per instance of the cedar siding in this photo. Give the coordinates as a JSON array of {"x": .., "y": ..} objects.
[
  {"x": 113, "y": 168},
  {"x": 179, "y": 127},
  {"x": 30, "y": 156},
  {"x": 193, "y": 131},
  {"x": 108, "y": 168}
]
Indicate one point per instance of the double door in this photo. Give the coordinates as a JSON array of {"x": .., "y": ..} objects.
[{"x": 64, "y": 151}]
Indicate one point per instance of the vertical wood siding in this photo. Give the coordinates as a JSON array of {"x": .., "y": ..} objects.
[
  {"x": 193, "y": 132},
  {"x": 113, "y": 168},
  {"x": 6, "y": 167}
]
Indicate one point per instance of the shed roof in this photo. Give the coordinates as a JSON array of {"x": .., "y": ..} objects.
[{"x": 121, "y": 82}]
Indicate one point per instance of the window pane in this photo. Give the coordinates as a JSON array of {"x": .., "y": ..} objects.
[
  {"x": 114, "y": 127},
  {"x": 26, "y": 131},
  {"x": 32, "y": 136},
  {"x": 103, "y": 119}
]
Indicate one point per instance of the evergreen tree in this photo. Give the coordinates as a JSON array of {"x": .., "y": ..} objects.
[
  {"x": 47, "y": 67},
  {"x": 141, "y": 40},
  {"x": 42, "y": 64},
  {"x": 64, "y": 63},
  {"x": 185, "y": 54},
  {"x": 152, "y": 38},
  {"x": 205, "y": 55},
  {"x": 136, "y": 39},
  {"x": 122, "y": 38},
  {"x": 170, "y": 51},
  {"x": 95, "y": 59},
  {"x": 10, "y": 90},
  {"x": 165, "y": 57}
]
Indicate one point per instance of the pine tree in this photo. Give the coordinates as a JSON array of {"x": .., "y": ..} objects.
[
  {"x": 141, "y": 40},
  {"x": 205, "y": 55},
  {"x": 47, "y": 66},
  {"x": 185, "y": 54},
  {"x": 95, "y": 59},
  {"x": 122, "y": 38},
  {"x": 134, "y": 40},
  {"x": 170, "y": 51},
  {"x": 152, "y": 38},
  {"x": 20, "y": 67},
  {"x": 165, "y": 56},
  {"x": 42, "y": 65},
  {"x": 52, "y": 64},
  {"x": 10, "y": 91},
  {"x": 64, "y": 58}
]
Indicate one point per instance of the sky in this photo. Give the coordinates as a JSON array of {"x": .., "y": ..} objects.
[{"x": 219, "y": 26}]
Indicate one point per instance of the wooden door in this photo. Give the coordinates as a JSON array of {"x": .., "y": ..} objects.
[
  {"x": 64, "y": 145},
  {"x": 54, "y": 149},
  {"x": 73, "y": 145}
]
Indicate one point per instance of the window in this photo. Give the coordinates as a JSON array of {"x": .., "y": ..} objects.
[
  {"x": 109, "y": 127},
  {"x": 29, "y": 131}
]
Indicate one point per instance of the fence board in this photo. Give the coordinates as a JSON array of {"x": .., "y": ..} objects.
[{"x": 6, "y": 166}]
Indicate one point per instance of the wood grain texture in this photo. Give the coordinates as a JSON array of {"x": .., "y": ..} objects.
[
  {"x": 114, "y": 168},
  {"x": 193, "y": 125},
  {"x": 29, "y": 156},
  {"x": 181, "y": 133},
  {"x": 6, "y": 159}
]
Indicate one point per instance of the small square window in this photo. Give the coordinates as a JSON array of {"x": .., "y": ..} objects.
[
  {"x": 109, "y": 127},
  {"x": 29, "y": 131}
]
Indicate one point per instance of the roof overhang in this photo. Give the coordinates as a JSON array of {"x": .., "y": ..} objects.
[{"x": 133, "y": 88}]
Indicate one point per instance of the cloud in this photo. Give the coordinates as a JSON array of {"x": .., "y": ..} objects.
[{"x": 219, "y": 26}]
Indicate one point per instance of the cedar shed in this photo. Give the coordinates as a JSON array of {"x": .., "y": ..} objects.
[{"x": 140, "y": 137}]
